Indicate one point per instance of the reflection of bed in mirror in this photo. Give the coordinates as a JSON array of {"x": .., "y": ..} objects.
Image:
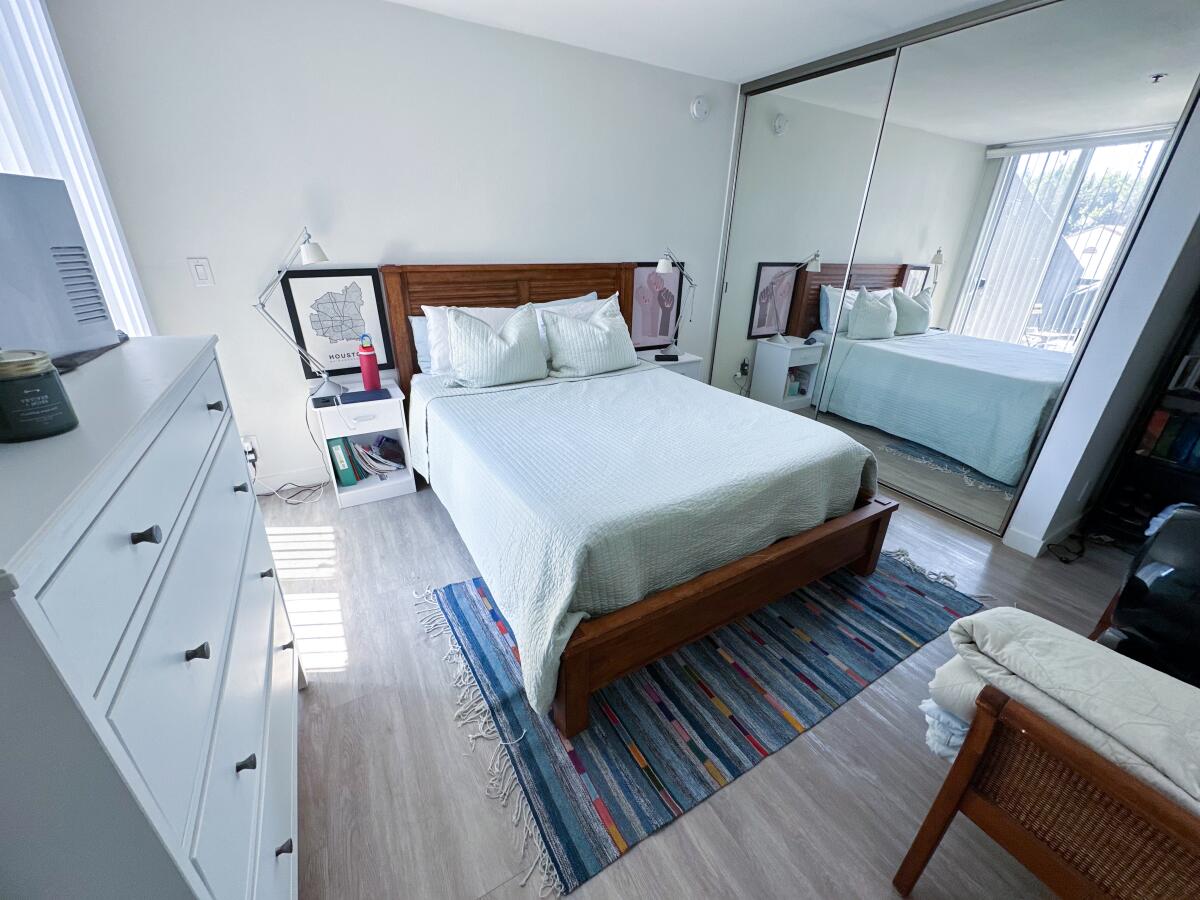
[{"x": 977, "y": 401}]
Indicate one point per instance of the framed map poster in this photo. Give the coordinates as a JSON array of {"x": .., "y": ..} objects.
[{"x": 330, "y": 310}]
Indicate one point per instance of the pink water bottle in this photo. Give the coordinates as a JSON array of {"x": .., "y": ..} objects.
[{"x": 369, "y": 364}]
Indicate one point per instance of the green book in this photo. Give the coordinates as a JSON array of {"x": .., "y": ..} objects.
[{"x": 341, "y": 462}]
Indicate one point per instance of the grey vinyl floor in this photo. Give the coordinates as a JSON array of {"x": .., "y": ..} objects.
[{"x": 392, "y": 802}]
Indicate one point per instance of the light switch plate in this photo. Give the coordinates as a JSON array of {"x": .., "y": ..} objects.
[{"x": 201, "y": 271}]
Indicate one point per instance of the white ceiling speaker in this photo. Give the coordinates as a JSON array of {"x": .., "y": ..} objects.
[
  {"x": 780, "y": 124},
  {"x": 700, "y": 108}
]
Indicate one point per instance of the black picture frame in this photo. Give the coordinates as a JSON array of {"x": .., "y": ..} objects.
[
  {"x": 382, "y": 340},
  {"x": 754, "y": 334},
  {"x": 640, "y": 344},
  {"x": 910, "y": 278}
]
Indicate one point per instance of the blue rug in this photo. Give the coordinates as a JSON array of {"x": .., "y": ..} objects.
[
  {"x": 939, "y": 462},
  {"x": 668, "y": 736}
]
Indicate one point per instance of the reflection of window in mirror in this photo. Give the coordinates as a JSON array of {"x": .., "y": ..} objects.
[{"x": 1013, "y": 164}]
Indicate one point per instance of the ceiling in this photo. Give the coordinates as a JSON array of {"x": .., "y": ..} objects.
[
  {"x": 1075, "y": 67},
  {"x": 722, "y": 39}
]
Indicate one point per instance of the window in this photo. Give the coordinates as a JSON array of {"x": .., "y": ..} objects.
[
  {"x": 42, "y": 133},
  {"x": 1056, "y": 224}
]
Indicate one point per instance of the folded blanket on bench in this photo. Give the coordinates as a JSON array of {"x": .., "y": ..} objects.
[{"x": 1144, "y": 721}]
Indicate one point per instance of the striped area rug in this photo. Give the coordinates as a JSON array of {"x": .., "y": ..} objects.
[{"x": 666, "y": 737}]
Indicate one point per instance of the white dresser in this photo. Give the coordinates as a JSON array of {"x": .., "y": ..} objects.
[{"x": 148, "y": 674}]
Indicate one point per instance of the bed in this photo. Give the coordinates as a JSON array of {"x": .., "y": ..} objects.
[
  {"x": 980, "y": 402},
  {"x": 618, "y": 517}
]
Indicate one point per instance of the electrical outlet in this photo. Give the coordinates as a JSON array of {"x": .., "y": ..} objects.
[
  {"x": 250, "y": 448},
  {"x": 744, "y": 368}
]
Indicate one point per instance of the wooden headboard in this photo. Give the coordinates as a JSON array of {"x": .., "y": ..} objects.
[
  {"x": 805, "y": 316},
  {"x": 408, "y": 288}
]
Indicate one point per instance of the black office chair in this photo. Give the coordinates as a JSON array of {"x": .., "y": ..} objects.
[{"x": 1155, "y": 618}]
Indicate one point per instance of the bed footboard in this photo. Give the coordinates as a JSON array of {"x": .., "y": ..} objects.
[{"x": 603, "y": 649}]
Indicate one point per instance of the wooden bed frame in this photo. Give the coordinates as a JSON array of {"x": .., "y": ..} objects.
[
  {"x": 805, "y": 315},
  {"x": 605, "y": 648}
]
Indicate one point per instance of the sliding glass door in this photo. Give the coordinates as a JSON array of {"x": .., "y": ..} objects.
[{"x": 1057, "y": 221}]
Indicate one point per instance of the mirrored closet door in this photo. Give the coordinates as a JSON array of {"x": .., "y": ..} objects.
[
  {"x": 792, "y": 211},
  {"x": 1013, "y": 163}
]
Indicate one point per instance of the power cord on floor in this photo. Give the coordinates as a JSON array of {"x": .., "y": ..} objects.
[{"x": 298, "y": 494}]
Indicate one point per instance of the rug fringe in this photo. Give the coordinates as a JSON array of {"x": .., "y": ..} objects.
[
  {"x": 903, "y": 557},
  {"x": 471, "y": 709}
]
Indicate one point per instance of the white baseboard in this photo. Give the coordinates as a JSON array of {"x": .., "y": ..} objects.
[
  {"x": 1030, "y": 545},
  {"x": 266, "y": 483}
]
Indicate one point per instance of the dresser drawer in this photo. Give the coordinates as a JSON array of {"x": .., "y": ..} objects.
[
  {"x": 162, "y": 708},
  {"x": 90, "y": 598},
  {"x": 276, "y": 875},
  {"x": 223, "y": 849}
]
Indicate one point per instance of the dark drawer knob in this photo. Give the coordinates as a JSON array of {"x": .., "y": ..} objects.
[
  {"x": 290, "y": 645},
  {"x": 285, "y": 847},
  {"x": 267, "y": 573},
  {"x": 152, "y": 535},
  {"x": 250, "y": 762},
  {"x": 216, "y": 406},
  {"x": 202, "y": 652},
  {"x": 243, "y": 488}
]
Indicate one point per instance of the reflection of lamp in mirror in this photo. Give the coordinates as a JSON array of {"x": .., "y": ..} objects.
[
  {"x": 937, "y": 261},
  {"x": 813, "y": 263}
]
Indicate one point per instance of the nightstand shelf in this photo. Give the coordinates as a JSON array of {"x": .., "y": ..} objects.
[
  {"x": 362, "y": 423},
  {"x": 772, "y": 364}
]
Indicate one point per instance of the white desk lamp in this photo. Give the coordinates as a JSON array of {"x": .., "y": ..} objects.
[
  {"x": 814, "y": 265},
  {"x": 308, "y": 252},
  {"x": 666, "y": 265},
  {"x": 937, "y": 261}
]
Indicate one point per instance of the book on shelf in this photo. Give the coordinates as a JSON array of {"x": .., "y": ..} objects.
[
  {"x": 339, "y": 454},
  {"x": 380, "y": 458},
  {"x": 1174, "y": 436}
]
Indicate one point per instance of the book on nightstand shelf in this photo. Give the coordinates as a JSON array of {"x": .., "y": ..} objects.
[{"x": 339, "y": 452}]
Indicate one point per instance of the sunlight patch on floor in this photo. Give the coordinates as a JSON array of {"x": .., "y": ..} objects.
[
  {"x": 303, "y": 552},
  {"x": 310, "y": 552},
  {"x": 320, "y": 633}
]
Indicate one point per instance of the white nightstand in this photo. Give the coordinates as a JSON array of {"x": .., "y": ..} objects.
[
  {"x": 362, "y": 423},
  {"x": 688, "y": 364},
  {"x": 773, "y": 362}
]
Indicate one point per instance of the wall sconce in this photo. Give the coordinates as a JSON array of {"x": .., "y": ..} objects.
[{"x": 780, "y": 124}]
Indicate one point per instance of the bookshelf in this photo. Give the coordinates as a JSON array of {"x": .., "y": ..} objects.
[
  {"x": 362, "y": 423},
  {"x": 1160, "y": 462}
]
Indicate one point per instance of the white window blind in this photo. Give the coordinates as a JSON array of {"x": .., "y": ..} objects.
[
  {"x": 1055, "y": 228},
  {"x": 42, "y": 133}
]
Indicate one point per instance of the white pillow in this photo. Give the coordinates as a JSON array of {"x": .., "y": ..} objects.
[
  {"x": 438, "y": 335},
  {"x": 482, "y": 356},
  {"x": 599, "y": 343},
  {"x": 576, "y": 308},
  {"x": 437, "y": 327},
  {"x": 871, "y": 317},
  {"x": 831, "y": 297},
  {"x": 912, "y": 313},
  {"x": 419, "y": 327}
]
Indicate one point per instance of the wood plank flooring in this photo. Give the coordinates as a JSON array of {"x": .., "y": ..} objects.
[{"x": 391, "y": 798}]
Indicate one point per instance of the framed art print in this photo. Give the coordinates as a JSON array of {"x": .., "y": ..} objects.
[
  {"x": 330, "y": 310},
  {"x": 915, "y": 278},
  {"x": 656, "y": 302},
  {"x": 774, "y": 286}
]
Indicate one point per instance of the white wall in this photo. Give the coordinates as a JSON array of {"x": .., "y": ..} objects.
[
  {"x": 399, "y": 137},
  {"x": 1148, "y": 303},
  {"x": 801, "y": 191}
]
